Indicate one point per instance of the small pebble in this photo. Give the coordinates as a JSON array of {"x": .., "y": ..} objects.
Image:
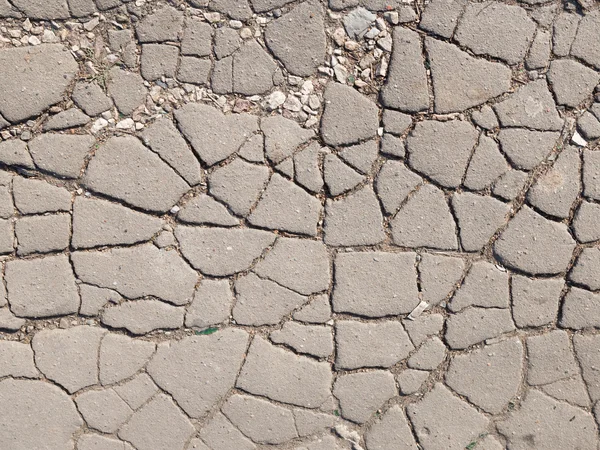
[
  {"x": 90, "y": 25},
  {"x": 212, "y": 17},
  {"x": 98, "y": 125},
  {"x": 246, "y": 33},
  {"x": 351, "y": 46},
  {"x": 292, "y": 104},
  {"x": 274, "y": 100},
  {"x": 126, "y": 124}
]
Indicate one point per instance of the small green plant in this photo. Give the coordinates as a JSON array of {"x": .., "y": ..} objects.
[
  {"x": 336, "y": 413},
  {"x": 207, "y": 331},
  {"x": 101, "y": 75}
]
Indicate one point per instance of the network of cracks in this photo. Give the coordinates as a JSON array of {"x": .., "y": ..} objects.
[{"x": 309, "y": 225}]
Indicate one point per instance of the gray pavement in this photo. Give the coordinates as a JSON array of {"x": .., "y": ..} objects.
[{"x": 299, "y": 224}]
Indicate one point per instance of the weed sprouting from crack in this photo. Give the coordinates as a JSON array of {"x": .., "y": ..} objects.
[{"x": 99, "y": 68}]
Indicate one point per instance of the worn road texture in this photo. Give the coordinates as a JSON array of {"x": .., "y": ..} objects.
[{"x": 299, "y": 225}]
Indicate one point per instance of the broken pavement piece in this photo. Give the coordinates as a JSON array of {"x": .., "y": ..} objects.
[
  {"x": 143, "y": 316},
  {"x": 238, "y": 184},
  {"x": 162, "y": 137},
  {"x": 201, "y": 125},
  {"x": 39, "y": 406},
  {"x": 205, "y": 210},
  {"x": 474, "y": 325},
  {"x": 354, "y": 220},
  {"x": 375, "y": 284},
  {"x": 163, "y": 25},
  {"x": 219, "y": 432},
  {"x": 97, "y": 222},
  {"x": 496, "y": 29},
  {"x": 103, "y": 410},
  {"x": 370, "y": 344},
  {"x": 394, "y": 183},
  {"x": 425, "y": 220},
  {"x": 423, "y": 326},
  {"x": 14, "y": 152},
  {"x": 571, "y": 82},
  {"x": 461, "y": 81},
  {"x": 138, "y": 271},
  {"x": 585, "y": 269},
  {"x": 263, "y": 302},
  {"x": 21, "y": 359},
  {"x": 338, "y": 176},
  {"x": 120, "y": 357},
  {"x": 282, "y": 137},
  {"x": 308, "y": 339},
  {"x": 298, "y": 264},
  {"x": 361, "y": 394},
  {"x": 580, "y": 309},
  {"x": 222, "y": 251},
  {"x": 531, "y": 106},
  {"x": 298, "y": 38},
  {"x": 439, "y": 418},
  {"x": 297, "y": 380},
  {"x": 440, "y": 274},
  {"x": 441, "y": 150},
  {"x": 61, "y": 154},
  {"x": 349, "y": 117},
  {"x": 526, "y": 148},
  {"x": 173, "y": 431},
  {"x": 555, "y": 191},
  {"x": 42, "y": 287},
  {"x": 485, "y": 285},
  {"x": 127, "y": 90},
  {"x": 254, "y": 70},
  {"x": 410, "y": 380},
  {"x": 69, "y": 118},
  {"x": 550, "y": 358},
  {"x": 261, "y": 421},
  {"x": 145, "y": 180},
  {"x": 585, "y": 44},
  {"x": 489, "y": 377},
  {"x": 406, "y": 87},
  {"x": 478, "y": 218},
  {"x": 486, "y": 165},
  {"x": 429, "y": 355},
  {"x": 198, "y": 386},
  {"x": 24, "y": 93},
  {"x": 535, "y": 301},
  {"x": 285, "y": 206},
  {"x": 534, "y": 244},
  {"x": 69, "y": 357},
  {"x": 212, "y": 304},
  {"x": 548, "y": 422},
  {"x": 318, "y": 310}
]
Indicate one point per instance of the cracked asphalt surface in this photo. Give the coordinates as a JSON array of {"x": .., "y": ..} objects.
[{"x": 299, "y": 224}]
